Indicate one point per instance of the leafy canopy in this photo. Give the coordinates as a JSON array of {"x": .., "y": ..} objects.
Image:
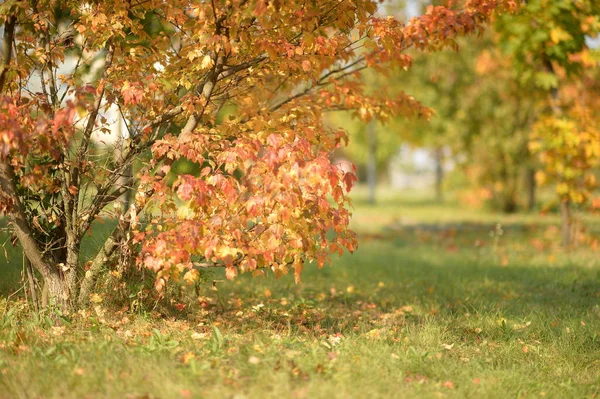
[{"x": 266, "y": 194}]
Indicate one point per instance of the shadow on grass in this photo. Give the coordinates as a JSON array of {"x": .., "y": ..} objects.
[{"x": 445, "y": 288}]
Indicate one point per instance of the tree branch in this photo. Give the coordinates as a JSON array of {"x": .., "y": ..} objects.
[
  {"x": 89, "y": 128},
  {"x": 9, "y": 35}
]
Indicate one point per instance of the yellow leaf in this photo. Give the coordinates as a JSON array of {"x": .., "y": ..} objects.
[
  {"x": 448, "y": 347},
  {"x": 558, "y": 35},
  {"x": 562, "y": 188},
  {"x": 95, "y": 298},
  {"x": 192, "y": 55},
  {"x": 191, "y": 276},
  {"x": 197, "y": 336},
  {"x": 540, "y": 177},
  {"x": 207, "y": 62}
]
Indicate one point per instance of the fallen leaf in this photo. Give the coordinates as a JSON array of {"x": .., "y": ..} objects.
[
  {"x": 253, "y": 360},
  {"x": 199, "y": 335},
  {"x": 187, "y": 357}
]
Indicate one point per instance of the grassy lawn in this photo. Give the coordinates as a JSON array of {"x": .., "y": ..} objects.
[{"x": 439, "y": 301}]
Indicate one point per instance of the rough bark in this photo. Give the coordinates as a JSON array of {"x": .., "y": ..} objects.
[
  {"x": 531, "y": 188},
  {"x": 9, "y": 34},
  {"x": 56, "y": 293},
  {"x": 509, "y": 204}
]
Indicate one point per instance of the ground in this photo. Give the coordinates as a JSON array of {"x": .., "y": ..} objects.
[{"x": 439, "y": 301}]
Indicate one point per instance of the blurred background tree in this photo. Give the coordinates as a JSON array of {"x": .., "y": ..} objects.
[{"x": 515, "y": 103}]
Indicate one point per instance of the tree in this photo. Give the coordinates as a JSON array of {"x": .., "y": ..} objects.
[
  {"x": 481, "y": 116},
  {"x": 546, "y": 41},
  {"x": 497, "y": 115},
  {"x": 569, "y": 146},
  {"x": 261, "y": 197}
]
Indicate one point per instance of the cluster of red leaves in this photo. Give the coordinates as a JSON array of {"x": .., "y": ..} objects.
[
  {"x": 11, "y": 134},
  {"x": 26, "y": 131},
  {"x": 268, "y": 200}
]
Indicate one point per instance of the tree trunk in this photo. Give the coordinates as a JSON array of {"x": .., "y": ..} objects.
[
  {"x": 372, "y": 161},
  {"x": 566, "y": 223},
  {"x": 531, "y": 187},
  {"x": 509, "y": 204},
  {"x": 61, "y": 287},
  {"x": 439, "y": 174},
  {"x": 56, "y": 293},
  {"x": 125, "y": 180}
]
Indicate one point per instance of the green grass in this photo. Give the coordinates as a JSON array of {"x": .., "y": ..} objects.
[{"x": 418, "y": 311}]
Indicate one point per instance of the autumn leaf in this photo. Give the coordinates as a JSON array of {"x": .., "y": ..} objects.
[
  {"x": 207, "y": 62},
  {"x": 132, "y": 93},
  {"x": 191, "y": 276},
  {"x": 253, "y": 360}
]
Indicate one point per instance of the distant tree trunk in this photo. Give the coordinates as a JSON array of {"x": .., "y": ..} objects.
[
  {"x": 439, "y": 173},
  {"x": 566, "y": 222},
  {"x": 372, "y": 161},
  {"x": 508, "y": 194},
  {"x": 566, "y": 212},
  {"x": 531, "y": 187}
]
